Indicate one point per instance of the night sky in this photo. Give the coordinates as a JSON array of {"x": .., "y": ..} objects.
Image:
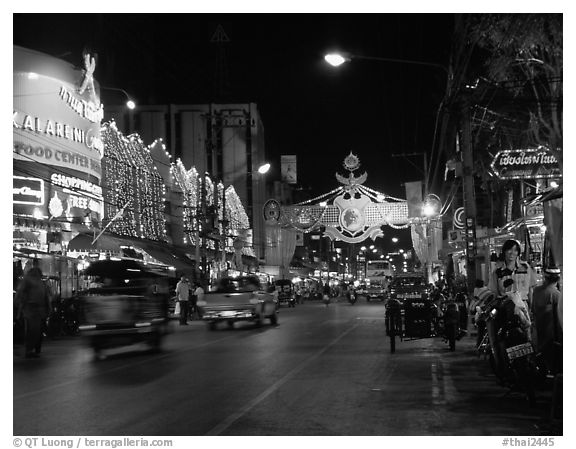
[{"x": 320, "y": 113}]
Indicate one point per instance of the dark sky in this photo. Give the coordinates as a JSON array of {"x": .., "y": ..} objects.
[{"x": 319, "y": 113}]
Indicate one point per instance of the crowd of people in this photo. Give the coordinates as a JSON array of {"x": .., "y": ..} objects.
[{"x": 187, "y": 296}]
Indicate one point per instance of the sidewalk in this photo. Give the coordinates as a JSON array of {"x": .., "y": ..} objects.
[{"x": 547, "y": 413}]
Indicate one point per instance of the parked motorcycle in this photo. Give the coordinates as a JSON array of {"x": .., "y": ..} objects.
[{"x": 509, "y": 348}]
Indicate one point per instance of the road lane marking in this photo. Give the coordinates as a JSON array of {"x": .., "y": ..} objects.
[
  {"x": 448, "y": 383},
  {"x": 436, "y": 393},
  {"x": 118, "y": 368},
  {"x": 217, "y": 430}
]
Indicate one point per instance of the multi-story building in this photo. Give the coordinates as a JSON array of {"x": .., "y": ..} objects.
[{"x": 224, "y": 140}]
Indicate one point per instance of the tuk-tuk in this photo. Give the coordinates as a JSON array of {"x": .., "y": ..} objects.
[
  {"x": 126, "y": 303},
  {"x": 286, "y": 292}
]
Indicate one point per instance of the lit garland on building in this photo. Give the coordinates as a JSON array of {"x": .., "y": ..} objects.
[
  {"x": 188, "y": 183},
  {"x": 195, "y": 206},
  {"x": 131, "y": 178}
]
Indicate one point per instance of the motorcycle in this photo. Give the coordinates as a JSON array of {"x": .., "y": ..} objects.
[
  {"x": 509, "y": 348},
  {"x": 352, "y": 297}
]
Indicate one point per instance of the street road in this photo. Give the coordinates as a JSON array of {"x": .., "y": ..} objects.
[{"x": 321, "y": 371}]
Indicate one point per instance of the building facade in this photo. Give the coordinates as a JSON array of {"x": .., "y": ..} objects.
[{"x": 224, "y": 140}]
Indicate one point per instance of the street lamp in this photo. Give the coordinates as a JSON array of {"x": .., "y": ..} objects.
[
  {"x": 264, "y": 168},
  {"x": 395, "y": 239},
  {"x": 336, "y": 59},
  {"x": 130, "y": 104}
]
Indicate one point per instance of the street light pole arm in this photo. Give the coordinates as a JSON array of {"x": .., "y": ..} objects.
[{"x": 401, "y": 61}]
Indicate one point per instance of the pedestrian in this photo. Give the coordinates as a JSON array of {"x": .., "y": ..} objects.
[
  {"x": 547, "y": 330},
  {"x": 183, "y": 295},
  {"x": 33, "y": 301},
  {"x": 326, "y": 295},
  {"x": 511, "y": 267},
  {"x": 197, "y": 296}
]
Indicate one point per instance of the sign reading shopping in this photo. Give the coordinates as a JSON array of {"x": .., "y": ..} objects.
[{"x": 526, "y": 164}]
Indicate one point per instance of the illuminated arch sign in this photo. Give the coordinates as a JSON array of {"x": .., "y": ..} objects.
[
  {"x": 526, "y": 164},
  {"x": 351, "y": 213},
  {"x": 53, "y": 124}
]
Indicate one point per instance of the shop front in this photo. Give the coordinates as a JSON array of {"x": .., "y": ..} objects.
[{"x": 57, "y": 152}]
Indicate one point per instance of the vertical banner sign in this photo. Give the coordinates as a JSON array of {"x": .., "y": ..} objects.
[
  {"x": 288, "y": 168},
  {"x": 414, "y": 198},
  {"x": 509, "y": 205}
]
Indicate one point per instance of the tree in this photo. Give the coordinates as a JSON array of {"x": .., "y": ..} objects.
[{"x": 523, "y": 58}]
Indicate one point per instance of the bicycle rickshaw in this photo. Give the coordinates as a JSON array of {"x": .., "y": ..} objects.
[{"x": 411, "y": 313}]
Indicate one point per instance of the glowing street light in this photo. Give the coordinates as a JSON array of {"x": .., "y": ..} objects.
[
  {"x": 336, "y": 59},
  {"x": 264, "y": 168},
  {"x": 130, "y": 104},
  {"x": 395, "y": 239}
]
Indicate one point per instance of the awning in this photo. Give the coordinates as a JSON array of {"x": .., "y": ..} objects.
[
  {"x": 83, "y": 242},
  {"x": 169, "y": 257}
]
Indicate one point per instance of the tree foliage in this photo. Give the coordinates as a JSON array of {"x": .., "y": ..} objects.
[{"x": 522, "y": 60}]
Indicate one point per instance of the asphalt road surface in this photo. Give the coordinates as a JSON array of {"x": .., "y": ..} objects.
[{"x": 320, "y": 371}]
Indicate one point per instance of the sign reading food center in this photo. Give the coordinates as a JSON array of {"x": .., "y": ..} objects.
[
  {"x": 53, "y": 123},
  {"x": 526, "y": 164}
]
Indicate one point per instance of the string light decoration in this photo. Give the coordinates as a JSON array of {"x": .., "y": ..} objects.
[
  {"x": 187, "y": 181},
  {"x": 197, "y": 202},
  {"x": 131, "y": 177}
]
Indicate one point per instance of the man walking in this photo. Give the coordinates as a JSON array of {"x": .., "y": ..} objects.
[{"x": 183, "y": 294}]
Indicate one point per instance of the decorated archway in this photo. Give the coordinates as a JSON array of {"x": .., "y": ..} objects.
[{"x": 352, "y": 212}]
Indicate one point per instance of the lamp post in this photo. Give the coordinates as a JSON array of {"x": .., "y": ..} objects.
[
  {"x": 336, "y": 59},
  {"x": 256, "y": 203},
  {"x": 130, "y": 103}
]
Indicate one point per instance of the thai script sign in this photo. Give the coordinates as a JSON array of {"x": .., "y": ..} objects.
[{"x": 526, "y": 164}]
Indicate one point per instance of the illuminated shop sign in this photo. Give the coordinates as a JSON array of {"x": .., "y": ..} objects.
[
  {"x": 83, "y": 108},
  {"x": 525, "y": 164},
  {"x": 27, "y": 190},
  {"x": 68, "y": 205},
  {"x": 55, "y": 122},
  {"x": 75, "y": 183},
  {"x": 60, "y": 157},
  {"x": 53, "y": 128}
]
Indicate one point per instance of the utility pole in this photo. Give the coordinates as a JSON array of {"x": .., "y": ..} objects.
[{"x": 468, "y": 191}]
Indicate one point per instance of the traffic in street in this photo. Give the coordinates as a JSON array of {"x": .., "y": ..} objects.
[{"x": 322, "y": 370}]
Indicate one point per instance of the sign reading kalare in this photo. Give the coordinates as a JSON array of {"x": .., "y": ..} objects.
[{"x": 526, "y": 164}]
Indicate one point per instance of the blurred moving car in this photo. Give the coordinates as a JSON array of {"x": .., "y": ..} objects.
[
  {"x": 126, "y": 303},
  {"x": 238, "y": 299}
]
